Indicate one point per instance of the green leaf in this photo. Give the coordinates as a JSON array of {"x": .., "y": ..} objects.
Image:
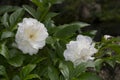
[
  {"x": 16, "y": 61},
  {"x": 111, "y": 61},
  {"x": 90, "y": 64},
  {"x": 51, "y": 15},
  {"x": 108, "y": 42},
  {"x": 78, "y": 70},
  {"x": 3, "y": 72},
  {"x": 4, "y": 9},
  {"x": 16, "y": 77},
  {"x": 15, "y": 17},
  {"x": 61, "y": 77},
  {"x": 31, "y": 76},
  {"x": 64, "y": 70},
  {"x": 75, "y": 79},
  {"x": 67, "y": 30},
  {"x": 56, "y": 1},
  {"x": 30, "y": 10},
  {"x": 4, "y": 50},
  {"x": 52, "y": 73},
  {"x": 98, "y": 64},
  {"x": 107, "y": 46},
  {"x": 37, "y": 60},
  {"x": 26, "y": 70},
  {"x": 50, "y": 40},
  {"x": 49, "y": 24},
  {"x": 4, "y": 20},
  {"x": 89, "y": 76},
  {"x": 91, "y": 33},
  {"x": 44, "y": 13},
  {"x": 60, "y": 49},
  {"x": 7, "y": 34},
  {"x": 114, "y": 47},
  {"x": 37, "y": 2}
]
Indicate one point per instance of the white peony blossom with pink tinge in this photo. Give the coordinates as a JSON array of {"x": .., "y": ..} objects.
[
  {"x": 80, "y": 50},
  {"x": 31, "y": 36}
]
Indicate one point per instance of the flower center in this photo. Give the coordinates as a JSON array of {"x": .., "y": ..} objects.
[{"x": 31, "y": 36}]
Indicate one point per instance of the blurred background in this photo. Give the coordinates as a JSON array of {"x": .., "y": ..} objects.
[{"x": 103, "y": 15}]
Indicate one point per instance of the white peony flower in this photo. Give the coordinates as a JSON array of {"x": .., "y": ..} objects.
[
  {"x": 31, "y": 36},
  {"x": 80, "y": 50}
]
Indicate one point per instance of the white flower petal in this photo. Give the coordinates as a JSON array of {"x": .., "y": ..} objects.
[
  {"x": 31, "y": 36},
  {"x": 80, "y": 50}
]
